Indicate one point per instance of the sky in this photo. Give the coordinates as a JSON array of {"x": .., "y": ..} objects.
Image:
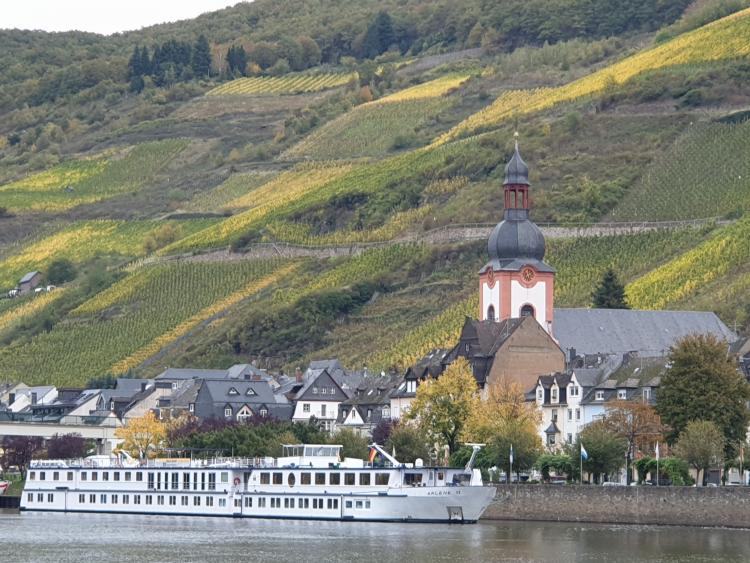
[{"x": 100, "y": 16}]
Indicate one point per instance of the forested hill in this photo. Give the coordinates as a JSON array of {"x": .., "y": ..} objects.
[{"x": 285, "y": 180}]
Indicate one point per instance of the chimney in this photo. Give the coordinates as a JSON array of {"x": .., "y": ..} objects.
[
  {"x": 33, "y": 398},
  {"x": 298, "y": 374}
]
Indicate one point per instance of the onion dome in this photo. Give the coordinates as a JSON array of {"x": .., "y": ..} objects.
[{"x": 516, "y": 237}]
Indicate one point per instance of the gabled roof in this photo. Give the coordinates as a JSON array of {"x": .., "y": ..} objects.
[
  {"x": 617, "y": 331},
  {"x": 489, "y": 335},
  {"x": 224, "y": 392},
  {"x": 28, "y": 277}
]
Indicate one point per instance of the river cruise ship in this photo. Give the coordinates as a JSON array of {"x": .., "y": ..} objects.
[{"x": 308, "y": 482}]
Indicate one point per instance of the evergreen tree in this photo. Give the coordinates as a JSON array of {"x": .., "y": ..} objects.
[
  {"x": 236, "y": 60},
  {"x": 146, "y": 67},
  {"x": 134, "y": 64},
  {"x": 378, "y": 37},
  {"x": 201, "y": 57},
  {"x": 610, "y": 294},
  {"x": 703, "y": 384}
]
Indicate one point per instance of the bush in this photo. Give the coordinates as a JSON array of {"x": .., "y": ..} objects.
[{"x": 61, "y": 271}]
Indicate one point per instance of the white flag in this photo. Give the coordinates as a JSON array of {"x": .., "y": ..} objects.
[
  {"x": 511, "y": 454},
  {"x": 584, "y": 453},
  {"x": 657, "y": 450}
]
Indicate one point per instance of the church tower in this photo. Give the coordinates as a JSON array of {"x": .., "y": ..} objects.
[{"x": 516, "y": 282}]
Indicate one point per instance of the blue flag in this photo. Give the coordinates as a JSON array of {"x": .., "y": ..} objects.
[{"x": 584, "y": 453}]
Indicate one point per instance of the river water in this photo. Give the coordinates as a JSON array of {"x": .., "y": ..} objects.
[{"x": 147, "y": 539}]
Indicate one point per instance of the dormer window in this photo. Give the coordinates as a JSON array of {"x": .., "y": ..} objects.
[
  {"x": 369, "y": 414},
  {"x": 466, "y": 348},
  {"x": 111, "y": 405},
  {"x": 263, "y": 412},
  {"x": 600, "y": 395},
  {"x": 250, "y": 391},
  {"x": 646, "y": 393},
  {"x": 191, "y": 407},
  {"x": 574, "y": 390},
  {"x": 540, "y": 395},
  {"x": 233, "y": 391},
  {"x": 554, "y": 394},
  {"x": 324, "y": 390},
  {"x": 411, "y": 386},
  {"x": 315, "y": 390},
  {"x": 227, "y": 411},
  {"x": 622, "y": 394},
  {"x": 174, "y": 385}
]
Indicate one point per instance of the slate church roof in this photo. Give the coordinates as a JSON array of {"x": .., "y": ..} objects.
[{"x": 617, "y": 331}]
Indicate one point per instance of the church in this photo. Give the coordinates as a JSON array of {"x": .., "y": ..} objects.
[{"x": 519, "y": 335}]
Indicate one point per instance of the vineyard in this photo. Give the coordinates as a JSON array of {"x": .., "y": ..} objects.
[
  {"x": 20, "y": 308},
  {"x": 288, "y": 84},
  {"x": 706, "y": 173},
  {"x": 375, "y": 128},
  {"x": 88, "y": 181},
  {"x": 261, "y": 203},
  {"x": 171, "y": 299},
  {"x": 237, "y": 185},
  {"x": 82, "y": 241},
  {"x": 685, "y": 275},
  {"x": 724, "y": 39}
]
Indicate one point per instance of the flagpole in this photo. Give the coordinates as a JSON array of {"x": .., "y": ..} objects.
[
  {"x": 657, "y": 464},
  {"x": 580, "y": 460}
]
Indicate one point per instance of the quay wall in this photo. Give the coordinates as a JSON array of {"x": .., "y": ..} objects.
[{"x": 669, "y": 506}]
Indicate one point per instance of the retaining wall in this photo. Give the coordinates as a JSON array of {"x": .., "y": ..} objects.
[{"x": 678, "y": 506}]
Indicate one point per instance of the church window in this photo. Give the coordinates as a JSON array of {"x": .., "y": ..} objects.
[
  {"x": 527, "y": 311},
  {"x": 491, "y": 313}
]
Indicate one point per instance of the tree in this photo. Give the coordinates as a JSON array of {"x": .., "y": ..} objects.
[
  {"x": 201, "y": 59},
  {"x": 236, "y": 60},
  {"x": 382, "y": 431},
  {"x": 610, "y": 293},
  {"x": 605, "y": 449},
  {"x": 378, "y": 37},
  {"x": 310, "y": 51},
  {"x": 66, "y": 446},
  {"x": 506, "y": 419},
  {"x": 264, "y": 54},
  {"x": 701, "y": 444},
  {"x": 18, "y": 451},
  {"x": 408, "y": 442},
  {"x": 142, "y": 437},
  {"x": 442, "y": 406},
  {"x": 637, "y": 423},
  {"x": 354, "y": 444},
  {"x": 703, "y": 384},
  {"x": 60, "y": 271},
  {"x": 560, "y": 463}
]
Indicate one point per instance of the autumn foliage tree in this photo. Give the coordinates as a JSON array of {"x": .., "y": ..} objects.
[
  {"x": 503, "y": 420},
  {"x": 142, "y": 437},
  {"x": 701, "y": 444},
  {"x": 637, "y": 423},
  {"x": 442, "y": 406}
]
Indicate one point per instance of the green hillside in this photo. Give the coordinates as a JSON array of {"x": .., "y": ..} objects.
[{"x": 297, "y": 213}]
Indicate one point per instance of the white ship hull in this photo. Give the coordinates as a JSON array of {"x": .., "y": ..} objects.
[{"x": 260, "y": 489}]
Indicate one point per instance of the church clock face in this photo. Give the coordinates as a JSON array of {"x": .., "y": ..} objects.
[{"x": 528, "y": 275}]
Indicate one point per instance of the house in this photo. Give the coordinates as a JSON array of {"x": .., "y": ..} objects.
[
  {"x": 514, "y": 350},
  {"x": 28, "y": 282},
  {"x": 369, "y": 405},
  {"x": 324, "y": 386},
  {"x": 23, "y": 399},
  {"x": 431, "y": 365},
  {"x": 569, "y": 401},
  {"x": 238, "y": 401}
]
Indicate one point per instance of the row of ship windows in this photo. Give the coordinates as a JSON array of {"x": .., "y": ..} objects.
[
  {"x": 207, "y": 481},
  {"x": 275, "y": 502}
]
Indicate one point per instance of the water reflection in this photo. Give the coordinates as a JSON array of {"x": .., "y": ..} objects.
[{"x": 148, "y": 539}]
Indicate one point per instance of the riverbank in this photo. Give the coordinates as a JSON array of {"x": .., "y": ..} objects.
[{"x": 666, "y": 506}]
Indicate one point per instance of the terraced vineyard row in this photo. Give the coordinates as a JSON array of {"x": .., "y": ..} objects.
[
  {"x": 87, "y": 181},
  {"x": 82, "y": 241},
  {"x": 724, "y": 39},
  {"x": 170, "y": 299},
  {"x": 261, "y": 202},
  {"x": 27, "y": 306},
  {"x": 706, "y": 173},
  {"x": 237, "y": 185},
  {"x": 288, "y": 84},
  {"x": 373, "y": 129},
  {"x": 683, "y": 276}
]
